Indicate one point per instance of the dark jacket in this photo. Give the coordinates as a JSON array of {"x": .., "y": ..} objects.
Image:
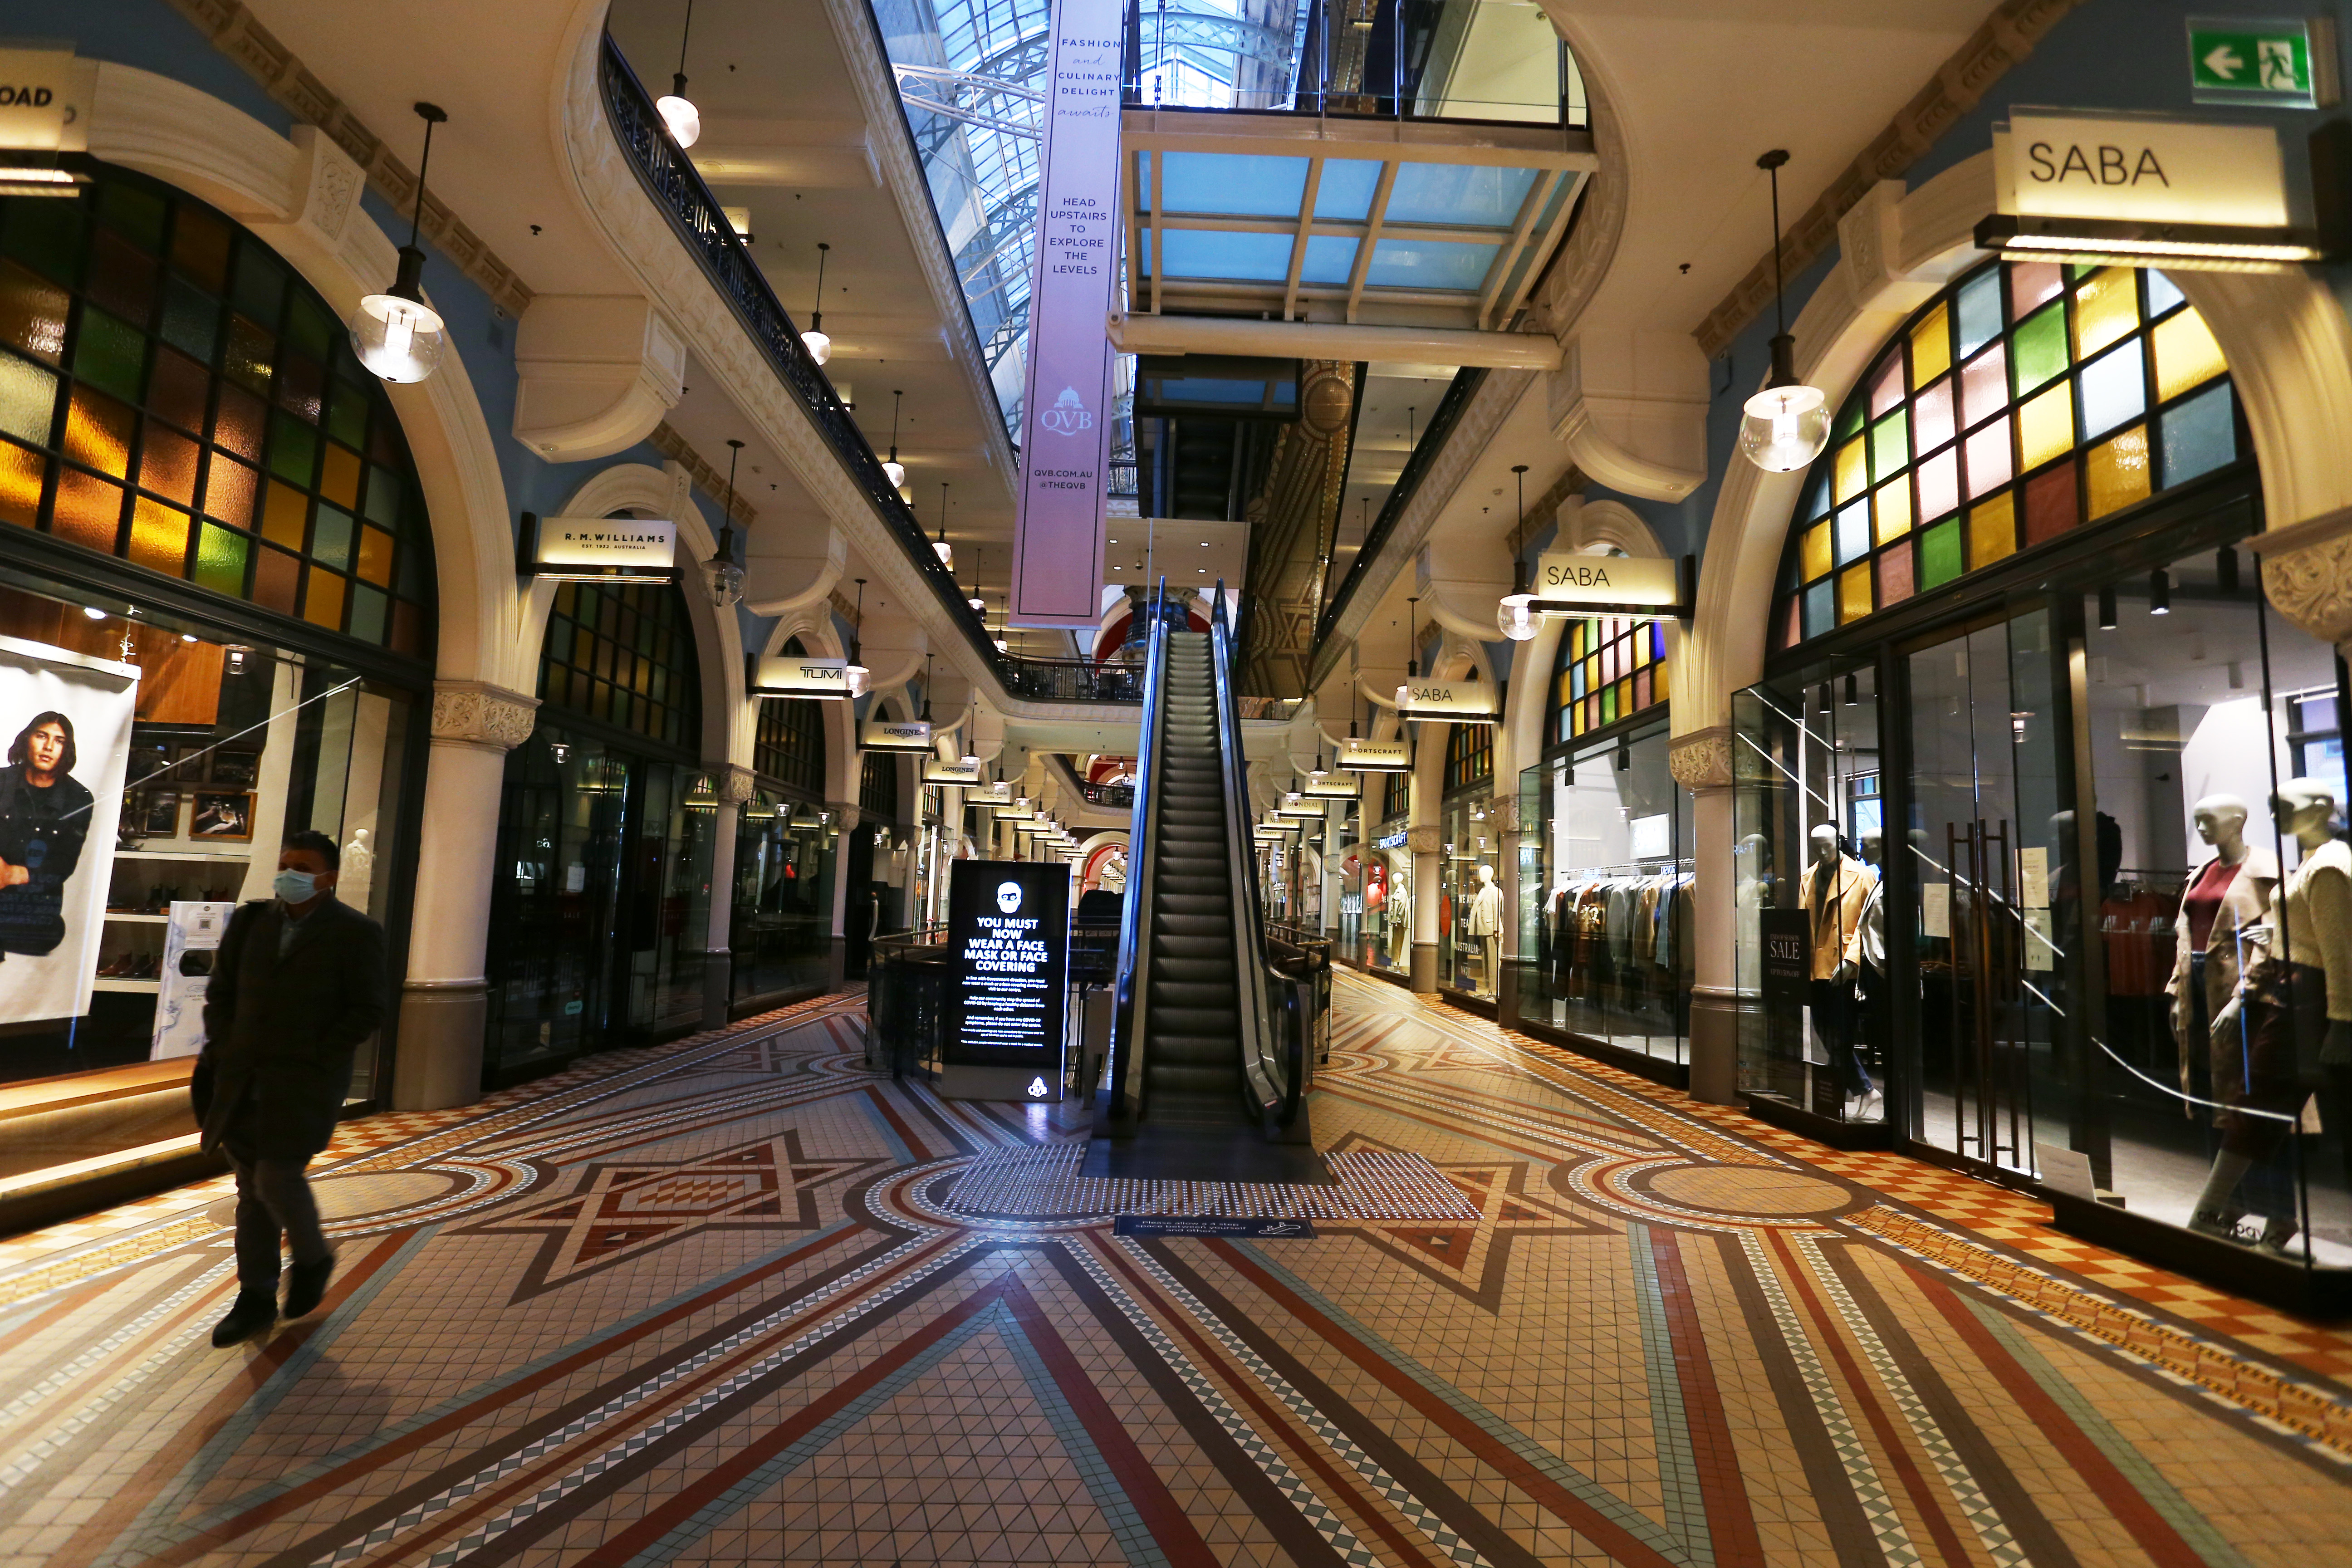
[
  {"x": 41, "y": 830},
  {"x": 279, "y": 1033}
]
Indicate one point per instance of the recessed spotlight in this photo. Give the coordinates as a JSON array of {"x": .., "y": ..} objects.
[
  {"x": 93, "y": 612},
  {"x": 1204, "y": 544},
  {"x": 187, "y": 636},
  {"x": 1204, "y": 571}
]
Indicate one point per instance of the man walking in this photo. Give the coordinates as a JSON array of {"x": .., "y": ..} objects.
[{"x": 297, "y": 983}]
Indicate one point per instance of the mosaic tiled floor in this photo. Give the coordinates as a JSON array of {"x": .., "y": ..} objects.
[{"x": 721, "y": 1304}]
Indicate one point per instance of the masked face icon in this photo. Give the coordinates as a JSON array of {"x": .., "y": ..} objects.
[{"x": 1008, "y": 896}]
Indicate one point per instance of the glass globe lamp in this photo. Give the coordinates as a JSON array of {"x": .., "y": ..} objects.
[{"x": 685, "y": 120}]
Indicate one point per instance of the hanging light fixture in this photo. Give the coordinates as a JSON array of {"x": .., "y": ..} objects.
[
  {"x": 893, "y": 469},
  {"x": 1852, "y": 692},
  {"x": 721, "y": 577},
  {"x": 395, "y": 333},
  {"x": 1411, "y": 657},
  {"x": 979, "y": 606},
  {"x": 929, "y": 660},
  {"x": 1784, "y": 426},
  {"x": 2107, "y": 607},
  {"x": 819, "y": 346},
  {"x": 1515, "y": 614},
  {"x": 2159, "y": 591},
  {"x": 854, "y": 675},
  {"x": 685, "y": 120},
  {"x": 940, "y": 546},
  {"x": 2225, "y": 570}
]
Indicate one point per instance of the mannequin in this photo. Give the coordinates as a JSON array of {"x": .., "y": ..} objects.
[
  {"x": 1751, "y": 891},
  {"x": 1870, "y": 984},
  {"x": 2291, "y": 1019},
  {"x": 2229, "y": 895},
  {"x": 1485, "y": 925},
  {"x": 1832, "y": 891}
]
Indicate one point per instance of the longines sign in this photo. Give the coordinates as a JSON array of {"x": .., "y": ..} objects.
[
  {"x": 894, "y": 735},
  {"x": 936, "y": 771}
]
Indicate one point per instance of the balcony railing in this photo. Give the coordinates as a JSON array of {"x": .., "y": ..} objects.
[
  {"x": 1072, "y": 680},
  {"x": 670, "y": 178},
  {"x": 1117, "y": 797}
]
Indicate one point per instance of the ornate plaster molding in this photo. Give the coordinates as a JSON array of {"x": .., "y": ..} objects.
[
  {"x": 2313, "y": 588},
  {"x": 1428, "y": 838},
  {"x": 733, "y": 782},
  {"x": 1702, "y": 760},
  {"x": 478, "y": 714}
]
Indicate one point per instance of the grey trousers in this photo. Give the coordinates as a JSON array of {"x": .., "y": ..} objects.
[{"x": 273, "y": 1201}]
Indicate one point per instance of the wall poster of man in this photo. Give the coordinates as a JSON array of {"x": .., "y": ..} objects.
[{"x": 66, "y": 718}]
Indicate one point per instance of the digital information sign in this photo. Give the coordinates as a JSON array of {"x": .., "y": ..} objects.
[{"x": 1008, "y": 941}]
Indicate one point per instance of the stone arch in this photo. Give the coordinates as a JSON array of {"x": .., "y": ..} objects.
[
  {"x": 2286, "y": 339},
  {"x": 300, "y": 197},
  {"x": 818, "y": 634}
]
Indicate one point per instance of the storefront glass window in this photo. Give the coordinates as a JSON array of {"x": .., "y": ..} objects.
[
  {"x": 1470, "y": 913},
  {"x": 1605, "y": 895},
  {"x": 172, "y": 394},
  {"x": 781, "y": 925},
  {"x": 232, "y": 746},
  {"x": 1808, "y": 858}
]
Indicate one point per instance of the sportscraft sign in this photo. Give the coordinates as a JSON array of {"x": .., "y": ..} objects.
[{"x": 1009, "y": 930}]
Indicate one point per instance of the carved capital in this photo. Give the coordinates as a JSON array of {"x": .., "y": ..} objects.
[
  {"x": 732, "y": 785},
  {"x": 1503, "y": 813},
  {"x": 328, "y": 184},
  {"x": 2313, "y": 588},
  {"x": 1702, "y": 760},
  {"x": 476, "y": 713},
  {"x": 1427, "y": 839}
]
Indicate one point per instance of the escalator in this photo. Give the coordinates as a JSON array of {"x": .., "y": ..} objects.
[{"x": 1207, "y": 1069}]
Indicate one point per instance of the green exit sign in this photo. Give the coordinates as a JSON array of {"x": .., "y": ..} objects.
[{"x": 2261, "y": 64}]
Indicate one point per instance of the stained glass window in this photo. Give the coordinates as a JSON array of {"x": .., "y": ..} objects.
[
  {"x": 1469, "y": 755},
  {"x": 624, "y": 654},
  {"x": 173, "y": 396},
  {"x": 789, "y": 745},
  {"x": 2029, "y": 399},
  {"x": 1396, "y": 794},
  {"x": 1611, "y": 668}
]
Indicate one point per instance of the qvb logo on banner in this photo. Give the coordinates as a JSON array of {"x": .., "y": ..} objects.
[
  {"x": 1057, "y": 543},
  {"x": 1009, "y": 933}
]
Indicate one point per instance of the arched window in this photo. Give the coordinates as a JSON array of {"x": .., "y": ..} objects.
[
  {"x": 878, "y": 787},
  {"x": 173, "y": 396},
  {"x": 623, "y": 655},
  {"x": 2027, "y": 399},
  {"x": 789, "y": 745},
  {"x": 1469, "y": 755},
  {"x": 1610, "y": 667}
]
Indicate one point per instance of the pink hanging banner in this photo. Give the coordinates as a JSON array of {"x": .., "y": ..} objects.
[{"x": 1057, "y": 543}]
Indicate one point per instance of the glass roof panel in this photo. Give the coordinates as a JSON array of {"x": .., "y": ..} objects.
[
  {"x": 1330, "y": 259},
  {"x": 1242, "y": 185},
  {"x": 1427, "y": 264},
  {"x": 1346, "y": 194},
  {"x": 1462, "y": 195},
  {"x": 1244, "y": 257}
]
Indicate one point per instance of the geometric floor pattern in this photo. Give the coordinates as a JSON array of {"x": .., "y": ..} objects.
[{"x": 714, "y": 1303}]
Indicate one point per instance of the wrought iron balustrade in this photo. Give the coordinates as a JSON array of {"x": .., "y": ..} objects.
[
  {"x": 1118, "y": 797},
  {"x": 1072, "y": 680}
]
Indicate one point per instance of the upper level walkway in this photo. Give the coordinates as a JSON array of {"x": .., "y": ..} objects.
[{"x": 735, "y": 1300}]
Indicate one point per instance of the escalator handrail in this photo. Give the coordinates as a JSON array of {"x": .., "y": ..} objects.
[
  {"x": 1130, "y": 1004},
  {"x": 1262, "y": 1064}
]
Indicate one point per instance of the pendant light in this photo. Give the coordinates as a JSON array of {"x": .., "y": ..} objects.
[
  {"x": 929, "y": 660},
  {"x": 819, "y": 346},
  {"x": 2107, "y": 607},
  {"x": 1411, "y": 657},
  {"x": 854, "y": 675},
  {"x": 721, "y": 577},
  {"x": 1784, "y": 426},
  {"x": 2159, "y": 591},
  {"x": 894, "y": 470},
  {"x": 685, "y": 120},
  {"x": 1515, "y": 614},
  {"x": 940, "y": 546},
  {"x": 395, "y": 333}
]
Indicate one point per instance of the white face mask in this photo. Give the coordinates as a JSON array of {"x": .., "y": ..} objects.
[{"x": 297, "y": 887}]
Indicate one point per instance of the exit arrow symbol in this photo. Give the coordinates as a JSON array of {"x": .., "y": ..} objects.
[{"x": 2223, "y": 62}]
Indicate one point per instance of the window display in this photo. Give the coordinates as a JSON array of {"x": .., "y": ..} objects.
[
  {"x": 781, "y": 930},
  {"x": 1470, "y": 901},
  {"x": 1605, "y": 895}
]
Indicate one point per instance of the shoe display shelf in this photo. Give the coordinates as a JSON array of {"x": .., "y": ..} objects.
[{"x": 149, "y": 876}]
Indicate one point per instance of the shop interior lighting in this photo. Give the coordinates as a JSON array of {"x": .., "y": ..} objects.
[
  {"x": 940, "y": 546},
  {"x": 93, "y": 612},
  {"x": 854, "y": 675},
  {"x": 2188, "y": 247},
  {"x": 2159, "y": 591},
  {"x": 1624, "y": 757},
  {"x": 685, "y": 122},
  {"x": 2225, "y": 569},
  {"x": 1783, "y": 427},
  {"x": 2107, "y": 607},
  {"x": 819, "y": 346},
  {"x": 722, "y": 578},
  {"x": 395, "y": 333},
  {"x": 187, "y": 636},
  {"x": 1853, "y": 690},
  {"x": 1515, "y": 614},
  {"x": 892, "y": 468}
]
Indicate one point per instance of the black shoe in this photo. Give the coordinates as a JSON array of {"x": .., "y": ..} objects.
[
  {"x": 251, "y": 1313},
  {"x": 305, "y": 1287}
]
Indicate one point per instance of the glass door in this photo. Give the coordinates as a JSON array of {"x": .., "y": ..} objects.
[{"x": 1993, "y": 844}]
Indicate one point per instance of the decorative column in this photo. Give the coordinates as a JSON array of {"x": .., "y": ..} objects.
[
  {"x": 1701, "y": 764},
  {"x": 1427, "y": 842},
  {"x": 732, "y": 785},
  {"x": 445, "y": 999}
]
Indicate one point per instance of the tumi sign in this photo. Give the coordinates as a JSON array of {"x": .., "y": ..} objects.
[
  {"x": 782, "y": 676},
  {"x": 960, "y": 774},
  {"x": 2138, "y": 168}
]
